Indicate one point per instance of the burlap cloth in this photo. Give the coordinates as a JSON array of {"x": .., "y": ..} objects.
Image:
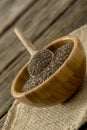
[{"x": 68, "y": 116}]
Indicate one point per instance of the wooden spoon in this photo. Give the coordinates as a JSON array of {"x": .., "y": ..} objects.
[{"x": 39, "y": 60}]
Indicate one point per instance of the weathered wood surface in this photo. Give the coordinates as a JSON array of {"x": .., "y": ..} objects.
[
  {"x": 11, "y": 10},
  {"x": 33, "y": 23},
  {"x": 42, "y": 22}
]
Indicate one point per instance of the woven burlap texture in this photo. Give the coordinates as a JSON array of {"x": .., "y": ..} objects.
[{"x": 67, "y": 116}]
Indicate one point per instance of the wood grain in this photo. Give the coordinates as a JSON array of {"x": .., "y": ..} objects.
[
  {"x": 43, "y": 17},
  {"x": 35, "y": 19},
  {"x": 11, "y": 10},
  {"x": 72, "y": 17},
  {"x": 6, "y": 79}
]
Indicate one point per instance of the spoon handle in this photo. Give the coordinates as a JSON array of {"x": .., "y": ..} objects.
[{"x": 28, "y": 45}]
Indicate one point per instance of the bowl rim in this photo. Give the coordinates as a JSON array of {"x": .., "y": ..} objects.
[{"x": 17, "y": 94}]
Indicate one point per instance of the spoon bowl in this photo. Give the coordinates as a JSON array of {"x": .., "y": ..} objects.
[
  {"x": 38, "y": 60},
  {"x": 61, "y": 85}
]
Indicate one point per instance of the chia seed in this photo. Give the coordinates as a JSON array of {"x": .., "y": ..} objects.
[
  {"x": 39, "y": 62},
  {"x": 60, "y": 55}
]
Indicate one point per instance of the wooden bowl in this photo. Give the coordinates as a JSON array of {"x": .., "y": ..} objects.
[{"x": 59, "y": 86}]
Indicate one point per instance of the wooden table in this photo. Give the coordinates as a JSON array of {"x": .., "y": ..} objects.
[{"x": 42, "y": 21}]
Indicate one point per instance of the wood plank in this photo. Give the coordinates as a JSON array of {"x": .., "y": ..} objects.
[
  {"x": 73, "y": 18},
  {"x": 37, "y": 18},
  {"x": 6, "y": 79},
  {"x": 11, "y": 10},
  {"x": 46, "y": 14},
  {"x": 2, "y": 121}
]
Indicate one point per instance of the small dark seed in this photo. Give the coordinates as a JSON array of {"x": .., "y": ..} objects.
[
  {"x": 40, "y": 61},
  {"x": 60, "y": 55}
]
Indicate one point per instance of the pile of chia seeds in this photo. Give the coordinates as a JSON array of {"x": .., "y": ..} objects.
[
  {"x": 60, "y": 55},
  {"x": 39, "y": 62}
]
